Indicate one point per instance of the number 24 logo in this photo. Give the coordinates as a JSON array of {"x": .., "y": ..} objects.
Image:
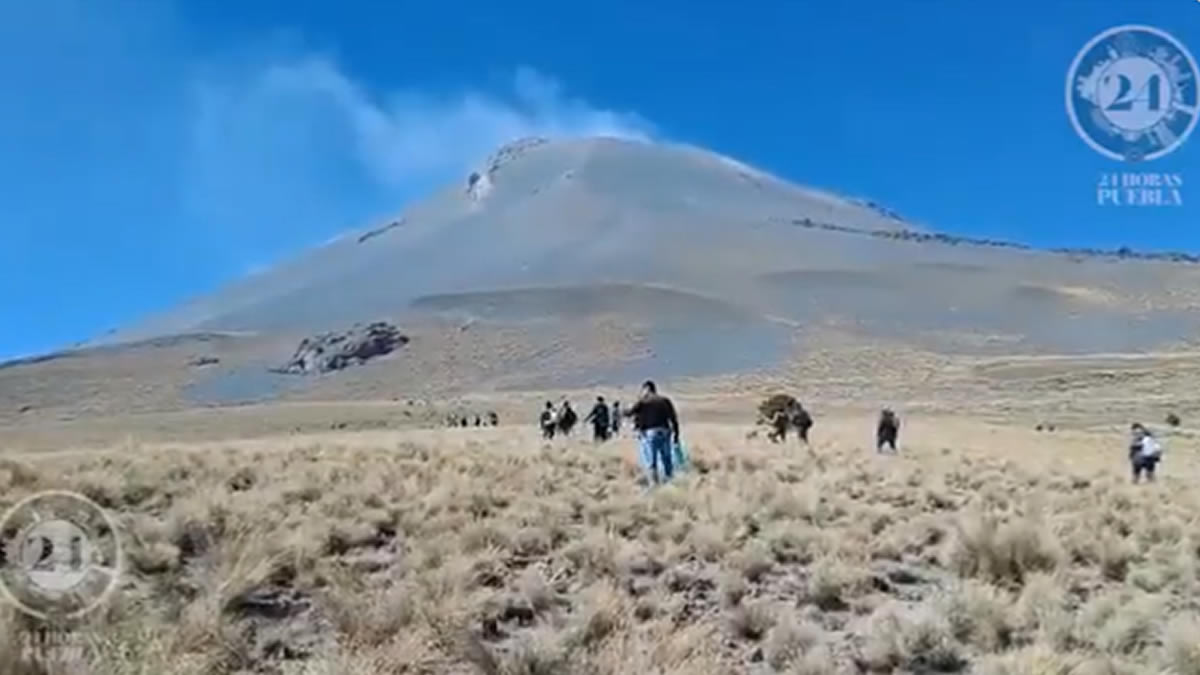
[{"x": 1150, "y": 93}]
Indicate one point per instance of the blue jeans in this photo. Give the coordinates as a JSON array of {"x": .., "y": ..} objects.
[{"x": 656, "y": 449}]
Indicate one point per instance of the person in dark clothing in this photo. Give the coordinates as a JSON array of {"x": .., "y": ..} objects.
[
  {"x": 599, "y": 419},
  {"x": 493, "y": 418},
  {"x": 616, "y": 418},
  {"x": 463, "y": 421},
  {"x": 657, "y": 424},
  {"x": 478, "y": 421},
  {"x": 1144, "y": 452},
  {"x": 801, "y": 420},
  {"x": 887, "y": 431},
  {"x": 567, "y": 418},
  {"x": 548, "y": 421},
  {"x": 779, "y": 427}
]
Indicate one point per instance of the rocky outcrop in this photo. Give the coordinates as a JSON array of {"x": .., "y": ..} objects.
[
  {"x": 333, "y": 351},
  {"x": 1122, "y": 253},
  {"x": 875, "y": 206},
  {"x": 371, "y": 234},
  {"x": 510, "y": 151},
  {"x": 479, "y": 183}
]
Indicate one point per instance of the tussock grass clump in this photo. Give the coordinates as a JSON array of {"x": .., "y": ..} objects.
[
  {"x": 15, "y": 475},
  {"x": 833, "y": 582},
  {"x": 752, "y": 621},
  {"x": 1180, "y": 646},
  {"x": 790, "y": 640},
  {"x": 754, "y": 562},
  {"x": 1033, "y": 660},
  {"x": 997, "y": 551},
  {"x": 978, "y": 614},
  {"x": 917, "y": 641}
]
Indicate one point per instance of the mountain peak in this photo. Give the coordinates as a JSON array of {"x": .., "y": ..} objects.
[
  {"x": 543, "y": 212},
  {"x": 479, "y": 182},
  {"x": 544, "y": 228}
]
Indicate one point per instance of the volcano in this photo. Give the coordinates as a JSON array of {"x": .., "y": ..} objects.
[
  {"x": 600, "y": 259},
  {"x": 540, "y": 222}
]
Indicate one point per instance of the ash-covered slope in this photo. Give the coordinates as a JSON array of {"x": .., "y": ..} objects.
[
  {"x": 706, "y": 250},
  {"x": 541, "y": 214}
]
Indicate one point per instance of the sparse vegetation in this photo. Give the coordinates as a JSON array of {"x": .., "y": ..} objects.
[
  {"x": 507, "y": 557},
  {"x": 774, "y": 404}
]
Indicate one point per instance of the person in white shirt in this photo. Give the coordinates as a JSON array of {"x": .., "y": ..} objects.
[{"x": 1144, "y": 452}]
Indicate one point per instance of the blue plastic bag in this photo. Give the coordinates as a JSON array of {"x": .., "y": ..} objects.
[{"x": 680, "y": 456}]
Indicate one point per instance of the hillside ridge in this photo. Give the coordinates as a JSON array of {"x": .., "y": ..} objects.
[
  {"x": 934, "y": 237},
  {"x": 584, "y": 212}
]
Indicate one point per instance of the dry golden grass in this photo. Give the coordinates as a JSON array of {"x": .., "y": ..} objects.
[{"x": 486, "y": 551}]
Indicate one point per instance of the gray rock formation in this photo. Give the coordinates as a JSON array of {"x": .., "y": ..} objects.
[{"x": 337, "y": 350}]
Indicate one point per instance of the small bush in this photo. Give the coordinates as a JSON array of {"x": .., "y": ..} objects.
[
  {"x": 754, "y": 562},
  {"x": 1001, "y": 552},
  {"x": 917, "y": 641},
  {"x": 776, "y": 403},
  {"x": 789, "y": 640},
  {"x": 1180, "y": 644},
  {"x": 752, "y": 621},
  {"x": 978, "y": 614}
]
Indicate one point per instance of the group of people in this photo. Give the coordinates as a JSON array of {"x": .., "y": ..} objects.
[
  {"x": 605, "y": 420},
  {"x": 1145, "y": 450},
  {"x": 490, "y": 419},
  {"x": 794, "y": 416},
  {"x": 654, "y": 420},
  {"x": 557, "y": 421},
  {"x": 656, "y": 424}
]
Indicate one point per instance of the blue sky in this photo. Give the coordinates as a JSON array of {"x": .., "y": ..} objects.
[{"x": 152, "y": 151}]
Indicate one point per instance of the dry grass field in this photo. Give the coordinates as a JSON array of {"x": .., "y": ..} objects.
[{"x": 979, "y": 548}]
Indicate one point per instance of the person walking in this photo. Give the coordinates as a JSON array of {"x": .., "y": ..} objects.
[
  {"x": 548, "y": 421},
  {"x": 779, "y": 427},
  {"x": 887, "y": 430},
  {"x": 657, "y": 425},
  {"x": 1144, "y": 452},
  {"x": 566, "y": 418},
  {"x": 598, "y": 417},
  {"x": 616, "y": 418},
  {"x": 801, "y": 421}
]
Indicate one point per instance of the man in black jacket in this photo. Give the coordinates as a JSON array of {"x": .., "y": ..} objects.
[
  {"x": 658, "y": 427},
  {"x": 599, "y": 419},
  {"x": 887, "y": 431},
  {"x": 801, "y": 420},
  {"x": 566, "y": 418}
]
